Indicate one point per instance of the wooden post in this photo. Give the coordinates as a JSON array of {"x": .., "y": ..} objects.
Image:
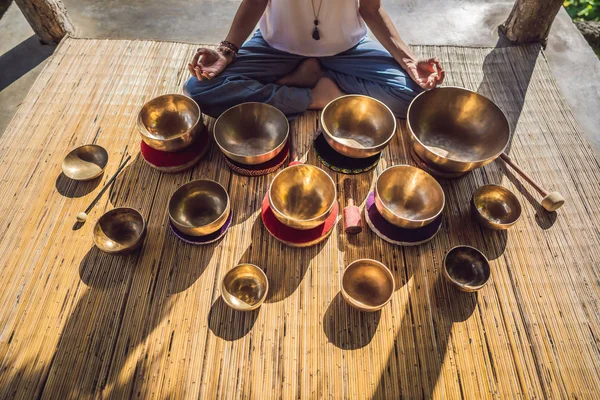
[
  {"x": 530, "y": 20},
  {"x": 48, "y": 18}
]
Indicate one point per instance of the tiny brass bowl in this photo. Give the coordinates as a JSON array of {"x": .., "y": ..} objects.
[
  {"x": 119, "y": 231},
  {"x": 85, "y": 162},
  {"x": 367, "y": 285},
  {"x": 466, "y": 268},
  {"x": 302, "y": 196},
  {"x": 170, "y": 122},
  {"x": 245, "y": 287},
  {"x": 199, "y": 207},
  {"x": 496, "y": 207},
  {"x": 408, "y": 197},
  {"x": 251, "y": 133},
  {"x": 358, "y": 126}
]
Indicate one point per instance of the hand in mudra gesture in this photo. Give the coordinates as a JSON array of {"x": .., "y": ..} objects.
[
  {"x": 208, "y": 63},
  {"x": 427, "y": 73}
]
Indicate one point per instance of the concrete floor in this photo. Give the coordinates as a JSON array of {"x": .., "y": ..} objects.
[{"x": 440, "y": 22}]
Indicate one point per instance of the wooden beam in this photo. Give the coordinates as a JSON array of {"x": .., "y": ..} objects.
[
  {"x": 530, "y": 20},
  {"x": 48, "y": 19}
]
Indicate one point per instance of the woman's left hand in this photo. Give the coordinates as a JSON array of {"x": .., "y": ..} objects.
[{"x": 427, "y": 73}]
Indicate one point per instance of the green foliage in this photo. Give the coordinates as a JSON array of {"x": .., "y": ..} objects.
[{"x": 583, "y": 9}]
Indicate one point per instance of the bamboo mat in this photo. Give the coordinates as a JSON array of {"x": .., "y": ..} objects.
[{"x": 78, "y": 323}]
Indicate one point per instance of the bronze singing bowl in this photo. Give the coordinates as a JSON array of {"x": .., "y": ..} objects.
[
  {"x": 170, "y": 122},
  {"x": 251, "y": 133},
  {"x": 408, "y": 197},
  {"x": 199, "y": 207},
  {"x": 302, "y": 196},
  {"x": 456, "y": 130},
  {"x": 85, "y": 162},
  {"x": 245, "y": 287},
  {"x": 358, "y": 126},
  {"x": 119, "y": 231},
  {"x": 367, "y": 285},
  {"x": 466, "y": 268},
  {"x": 496, "y": 207}
]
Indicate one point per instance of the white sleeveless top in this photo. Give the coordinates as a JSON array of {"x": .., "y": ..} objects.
[{"x": 287, "y": 25}]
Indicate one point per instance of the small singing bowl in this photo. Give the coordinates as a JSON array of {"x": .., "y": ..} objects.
[
  {"x": 119, "y": 231},
  {"x": 367, "y": 285},
  {"x": 170, "y": 122},
  {"x": 302, "y": 196},
  {"x": 358, "y": 126},
  {"x": 199, "y": 207},
  {"x": 466, "y": 268},
  {"x": 408, "y": 197},
  {"x": 251, "y": 133},
  {"x": 85, "y": 162},
  {"x": 245, "y": 287},
  {"x": 496, "y": 207}
]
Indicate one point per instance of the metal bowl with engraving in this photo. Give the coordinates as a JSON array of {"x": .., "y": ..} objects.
[
  {"x": 251, "y": 133},
  {"x": 85, "y": 162},
  {"x": 496, "y": 207},
  {"x": 170, "y": 122},
  {"x": 245, "y": 287},
  {"x": 456, "y": 130},
  {"x": 466, "y": 268},
  {"x": 367, "y": 285},
  {"x": 408, "y": 197},
  {"x": 358, "y": 126},
  {"x": 119, "y": 231},
  {"x": 302, "y": 196},
  {"x": 199, "y": 207}
]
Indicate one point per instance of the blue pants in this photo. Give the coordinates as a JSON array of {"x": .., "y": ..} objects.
[{"x": 366, "y": 69}]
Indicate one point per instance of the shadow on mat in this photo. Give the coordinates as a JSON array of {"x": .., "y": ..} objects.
[
  {"x": 74, "y": 189},
  {"x": 230, "y": 324}
]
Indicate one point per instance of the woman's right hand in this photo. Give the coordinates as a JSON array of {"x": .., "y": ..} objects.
[{"x": 208, "y": 63}]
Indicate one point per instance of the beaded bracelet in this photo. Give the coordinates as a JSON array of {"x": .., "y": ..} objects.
[{"x": 229, "y": 45}]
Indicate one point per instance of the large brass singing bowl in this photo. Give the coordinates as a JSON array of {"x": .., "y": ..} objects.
[
  {"x": 466, "y": 268},
  {"x": 496, "y": 207},
  {"x": 367, "y": 285},
  {"x": 251, "y": 133},
  {"x": 170, "y": 122},
  {"x": 245, "y": 287},
  {"x": 302, "y": 196},
  {"x": 456, "y": 130},
  {"x": 119, "y": 231},
  {"x": 85, "y": 162},
  {"x": 408, "y": 197},
  {"x": 358, "y": 126},
  {"x": 199, "y": 207}
]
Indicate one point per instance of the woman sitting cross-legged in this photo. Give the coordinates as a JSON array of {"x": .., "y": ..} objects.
[{"x": 306, "y": 54}]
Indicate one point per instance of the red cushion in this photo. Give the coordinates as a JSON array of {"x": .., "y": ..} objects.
[{"x": 175, "y": 158}]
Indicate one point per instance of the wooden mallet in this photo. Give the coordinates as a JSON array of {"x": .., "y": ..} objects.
[{"x": 352, "y": 219}]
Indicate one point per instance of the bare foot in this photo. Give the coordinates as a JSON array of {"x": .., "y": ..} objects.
[
  {"x": 325, "y": 91},
  {"x": 307, "y": 74}
]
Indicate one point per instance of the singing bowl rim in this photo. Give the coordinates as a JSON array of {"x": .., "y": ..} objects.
[
  {"x": 197, "y": 230},
  {"x": 488, "y": 222},
  {"x": 260, "y": 272},
  {"x": 244, "y": 158},
  {"x": 479, "y": 162},
  {"x": 131, "y": 246},
  {"x": 75, "y": 150},
  {"x": 358, "y": 304},
  {"x": 409, "y": 223},
  {"x": 146, "y": 134},
  {"x": 461, "y": 286}
]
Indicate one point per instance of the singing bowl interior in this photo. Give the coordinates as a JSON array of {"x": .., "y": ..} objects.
[
  {"x": 497, "y": 206},
  {"x": 367, "y": 285},
  {"x": 467, "y": 268},
  {"x": 358, "y": 126},
  {"x": 199, "y": 207},
  {"x": 458, "y": 124},
  {"x": 408, "y": 196},
  {"x": 251, "y": 133},
  {"x": 245, "y": 287},
  {"x": 85, "y": 162},
  {"x": 168, "y": 117},
  {"x": 119, "y": 230}
]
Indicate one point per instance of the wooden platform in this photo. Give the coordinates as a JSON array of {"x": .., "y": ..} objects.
[{"x": 78, "y": 323}]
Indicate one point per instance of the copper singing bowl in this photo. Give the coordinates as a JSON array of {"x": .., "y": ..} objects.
[
  {"x": 170, "y": 122},
  {"x": 358, "y": 126},
  {"x": 408, "y": 197},
  {"x": 199, "y": 207},
  {"x": 251, "y": 133},
  {"x": 466, "y": 268},
  {"x": 496, "y": 207},
  {"x": 85, "y": 162},
  {"x": 119, "y": 231},
  {"x": 367, "y": 285},
  {"x": 456, "y": 130},
  {"x": 302, "y": 196},
  {"x": 245, "y": 287}
]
